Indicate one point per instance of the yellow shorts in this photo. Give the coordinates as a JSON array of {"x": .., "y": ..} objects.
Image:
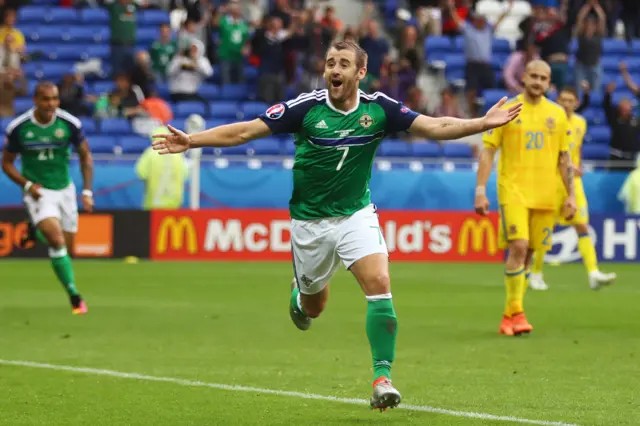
[
  {"x": 521, "y": 223},
  {"x": 582, "y": 207}
]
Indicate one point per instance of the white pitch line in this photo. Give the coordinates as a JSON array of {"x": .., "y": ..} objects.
[{"x": 236, "y": 388}]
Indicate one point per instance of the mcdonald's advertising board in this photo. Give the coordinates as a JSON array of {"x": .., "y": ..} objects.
[{"x": 235, "y": 234}]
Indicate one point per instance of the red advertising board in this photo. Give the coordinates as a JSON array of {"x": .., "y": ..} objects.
[{"x": 238, "y": 234}]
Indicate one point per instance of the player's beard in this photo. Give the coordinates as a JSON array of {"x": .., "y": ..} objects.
[
  {"x": 534, "y": 93},
  {"x": 343, "y": 92}
]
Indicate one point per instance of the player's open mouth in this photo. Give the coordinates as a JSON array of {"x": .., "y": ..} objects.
[{"x": 336, "y": 83}]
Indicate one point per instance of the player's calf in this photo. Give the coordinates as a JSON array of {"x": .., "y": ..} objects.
[{"x": 304, "y": 307}]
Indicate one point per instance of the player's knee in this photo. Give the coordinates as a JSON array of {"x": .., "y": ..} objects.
[
  {"x": 56, "y": 241},
  {"x": 518, "y": 251},
  {"x": 377, "y": 284},
  {"x": 582, "y": 229}
]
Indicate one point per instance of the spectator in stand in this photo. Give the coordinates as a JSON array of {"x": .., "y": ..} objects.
[
  {"x": 188, "y": 34},
  {"x": 142, "y": 74},
  {"x": 126, "y": 96},
  {"x": 554, "y": 37},
  {"x": 254, "y": 11},
  {"x": 375, "y": 45},
  {"x": 590, "y": 32},
  {"x": 7, "y": 29},
  {"x": 449, "y": 105},
  {"x": 624, "y": 130},
  {"x": 72, "y": 95},
  {"x": 282, "y": 9},
  {"x": 123, "y": 33},
  {"x": 186, "y": 72},
  {"x": 416, "y": 101},
  {"x": 390, "y": 81},
  {"x": 233, "y": 47},
  {"x": 12, "y": 80},
  {"x": 631, "y": 17},
  {"x": 162, "y": 51},
  {"x": 330, "y": 21},
  {"x": 515, "y": 67},
  {"x": 453, "y": 11},
  {"x": 270, "y": 49},
  {"x": 411, "y": 47},
  {"x": 629, "y": 80},
  {"x": 193, "y": 8},
  {"x": 316, "y": 40},
  {"x": 313, "y": 79},
  {"x": 478, "y": 50}
]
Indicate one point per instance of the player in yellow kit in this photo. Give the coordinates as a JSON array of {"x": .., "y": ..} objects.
[
  {"x": 568, "y": 99},
  {"x": 533, "y": 149}
]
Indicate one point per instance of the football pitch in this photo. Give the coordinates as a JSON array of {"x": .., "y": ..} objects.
[{"x": 212, "y": 344}]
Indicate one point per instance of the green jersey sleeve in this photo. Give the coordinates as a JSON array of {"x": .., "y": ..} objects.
[
  {"x": 13, "y": 140},
  {"x": 287, "y": 117}
]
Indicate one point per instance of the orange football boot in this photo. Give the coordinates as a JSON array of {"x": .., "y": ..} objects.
[
  {"x": 520, "y": 324},
  {"x": 506, "y": 327}
]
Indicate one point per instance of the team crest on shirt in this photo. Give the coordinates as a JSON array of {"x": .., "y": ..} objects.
[
  {"x": 366, "y": 121},
  {"x": 59, "y": 133},
  {"x": 513, "y": 229},
  {"x": 275, "y": 111},
  {"x": 551, "y": 123}
]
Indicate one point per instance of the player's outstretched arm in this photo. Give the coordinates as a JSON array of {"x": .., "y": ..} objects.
[
  {"x": 449, "y": 128},
  {"x": 485, "y": 164},
  {"x": 565, "y": 167},
  {"x": 221, "y": 136}
]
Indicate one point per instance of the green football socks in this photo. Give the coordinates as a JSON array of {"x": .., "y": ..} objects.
[
  {"x": 61, "y": 263},
  {"x": 295, "y": 301},
  {"x": 382, "y": 329},
  {"x": 40, "y": 237}
]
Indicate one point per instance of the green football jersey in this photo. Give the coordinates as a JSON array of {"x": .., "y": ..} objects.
[
  {"x": 335, "y": 149},
  {"x": 233, "y": 36},
  {"x": 45, "y": 149}
]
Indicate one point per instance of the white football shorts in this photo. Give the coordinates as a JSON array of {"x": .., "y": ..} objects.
[
  {"x": 318, "y": 246},
  {"x": 61, "y": 204}
]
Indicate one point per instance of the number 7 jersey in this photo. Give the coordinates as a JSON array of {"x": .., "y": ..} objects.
[
  {"x": 335, "y": 149},
  {"x": 529, "y": 150}
]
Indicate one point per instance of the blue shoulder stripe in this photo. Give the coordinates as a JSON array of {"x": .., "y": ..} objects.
[{"x": 349, "y": 140}]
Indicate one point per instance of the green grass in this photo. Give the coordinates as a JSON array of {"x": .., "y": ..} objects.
[{"x": 228, "y": 323}]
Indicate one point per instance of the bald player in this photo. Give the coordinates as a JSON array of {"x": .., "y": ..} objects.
[{"x": 533, "y": 149}]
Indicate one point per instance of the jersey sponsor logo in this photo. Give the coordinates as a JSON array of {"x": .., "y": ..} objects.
[
  {"x": 344, "y": 133},
  {"x": 322, "y": 125},
  {"x": 366, "y": 121},
  {"x": 275, "y": 112},
  {"x": 477, "y": 232}
]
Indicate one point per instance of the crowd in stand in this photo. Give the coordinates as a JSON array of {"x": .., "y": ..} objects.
[{"x": 286, "y": 40}]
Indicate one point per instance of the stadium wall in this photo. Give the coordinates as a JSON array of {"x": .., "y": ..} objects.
[
  {"x": 117, "y": 187},
  {"x": 264, "y": 234}
]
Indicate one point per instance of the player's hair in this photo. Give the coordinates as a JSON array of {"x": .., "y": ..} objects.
[
  {"x": 42, "y": 86},
  {"x": 361, "y": 55},
  {"x": 570, "y": 90}
]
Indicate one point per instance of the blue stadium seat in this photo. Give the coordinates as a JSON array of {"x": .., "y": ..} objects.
[
  {"x": 267, "y": 146},
  {"x": 458, "y": 44},
  {"x": 31, "y": 14},
  {"x": 454, "y": 74},
  {"x": 4, "y": 122},
  {"x": 633, "y": 64},
  {"x": 92, "y": 34},
  {"x": 222, "y": 109},
  {"x": 102, "y": 51},
  {"x": 49, "y": 34},
  {"x": 45, "y": 2},
  {"x": 395, "y": 148},
  {"x": 289, "y": 146},
  {"x": 48, "y": 50},
  {"x": 190, "y": 107},
  {"x": 596, "y": 99},
  {"x": 610, "y": 64},
  {"x": 594, "y": 116},
  {"x": 623, "y": 94},
  {"x": 62, "y": 15},
  {"x": 31, "y": 87},
  {"x": 437, "y": 47},
  {"x": 115, "y": 126},
  {"x": 134, "y": 144},
  {"x": 102, "y": 144},
  {"x": 426, "y": 149},
  {"x": 455, "y": 61},
  {"x": 94, "y": 16},
  {"x": 102, "y": 87},
  {"x": 251, "y": 74},
  {"x": 599, "y": 135},
  {"x": 501, "y": 45},
  {"x": 22, "y": 104},
  {"x": 69, "y": 52},
  {"x": 612, "y": 46},
  {"x": 234, "y": 92},
  {"x": 238, "y": 150},
  {"x": 55, "y": 70},
  {"x": 595, "y": 152},
  {"x": 89, "y": 125},
  {"x": 491, "y": 96},
  {"x": 163, "y": 90},
  {"x": 146, "y": 36},
  {"x": 32, "y": 69},
  {"x": 152, "y": 18},
  {"x": 209, "y": 91},
  {"x": 457, "y": 150},
  {"x": 253, "y": 109},
  {"x": 210, "y": 124}
]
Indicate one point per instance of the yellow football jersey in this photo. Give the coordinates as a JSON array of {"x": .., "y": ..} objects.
[
  {"x": 578, "y": 127},
  {"x": 529, "y": 149}
]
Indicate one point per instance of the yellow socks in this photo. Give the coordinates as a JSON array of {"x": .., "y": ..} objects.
[
  {"x": 588, "y": 252},
  {"x": 538, "y": 261},
  {"x": 515, "y": 284}
]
